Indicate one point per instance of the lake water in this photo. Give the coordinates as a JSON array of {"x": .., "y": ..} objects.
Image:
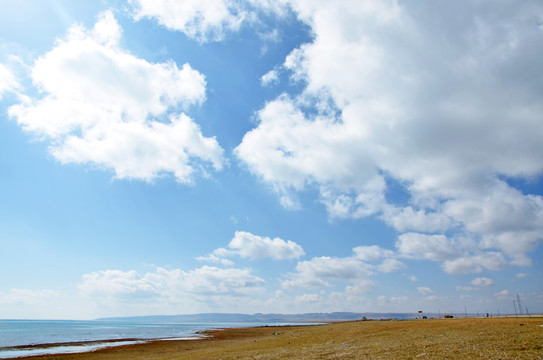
[{"x": 24, "y": 337}]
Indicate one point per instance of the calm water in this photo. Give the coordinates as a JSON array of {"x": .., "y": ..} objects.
[{"x": 36, "y": 332}]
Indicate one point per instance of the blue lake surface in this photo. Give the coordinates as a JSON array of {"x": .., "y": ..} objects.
[{"x": 33, "y": 332}]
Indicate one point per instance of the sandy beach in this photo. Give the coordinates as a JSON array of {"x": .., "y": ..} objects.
[{"x": 481, "y": 338}]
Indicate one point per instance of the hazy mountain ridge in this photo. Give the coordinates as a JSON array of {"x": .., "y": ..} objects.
[{"x": 266, "y": 318}]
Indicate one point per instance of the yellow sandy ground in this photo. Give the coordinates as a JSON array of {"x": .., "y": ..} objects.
[{"x": 489, "y": 338}]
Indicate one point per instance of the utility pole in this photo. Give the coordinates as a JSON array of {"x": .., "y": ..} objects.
[
  {"x": 519, "y": 306},
  {"x": 515, "y": 305},
  {"x": 465, "y": 311}
]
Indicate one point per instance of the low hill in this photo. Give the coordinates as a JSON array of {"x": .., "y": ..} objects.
[{"x": 265, "y": 318}]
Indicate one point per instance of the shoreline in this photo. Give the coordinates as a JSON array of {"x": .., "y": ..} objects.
[
  {"x": 428, "y": 339},
  {"x": 80, "y": 347},
  {"x": 88, "y": 346},
  {"x": 84, "y": 346}
]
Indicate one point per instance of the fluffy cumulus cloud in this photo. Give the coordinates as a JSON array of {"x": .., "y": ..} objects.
[
  {"x": 430, "y": 247},
  {"x": 375, "y": 253},
  {"x": 206, "y": 20},
  {"x": 446, "y": 105},
  {"x": 289, "y": 151},
  {"x": 356, "y": 270},
  {"x": 371, "y": 253},
  {"x": 247, "y": 245},
  {"x": 408, "y": 219},
  {"x": 391, "y": 265},
  {"x": 323, "y": 271},
  {"x": 252, "y": 246},
  {"x": 457, "y": 256},
  {"x": 339, "y": 280},
  {"x": 171, "y": 286},
  {"x": 492, "y": 260},
  {"x": 102, "y": 105}
]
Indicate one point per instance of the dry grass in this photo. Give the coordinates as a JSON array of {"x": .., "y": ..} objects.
[{"x": 491, "y": 338}]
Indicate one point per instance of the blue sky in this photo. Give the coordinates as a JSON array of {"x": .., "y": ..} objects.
[{"x": 177, "y": 157}]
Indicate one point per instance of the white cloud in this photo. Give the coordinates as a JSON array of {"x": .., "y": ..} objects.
[
  {"x": 252, "y": 246},
  {"x": 424, "y": 290},
  {"x": 28, "y": 297},
  {"x": 8, "y": 82},
  {"x": 170, "y": 285},
  {"x": 247, "y": 245},
  {"x": 208, "y": 20},
  {"x": 102, "y": 105},
  {"x": 477, "y": 284},
  {"x": 445, "y": 104},
  {"x": 521, "y": 275},
  {"x": 503, "y": 295},
  {"x": 214, "y": 258},
  {"x": 430, "y": 247},
  {"x": 114, "y": 282},
  {"x": 392, "y": 300},
  {"x": 482, "y": 282},
  {"x": 411, "y": 278},
  {"x": 318, "y": 271},
  {"x": 457, "y": 256},
  {"x": 466, "y": 288},
  {"x": 505, "y": 218},
  {"x": 307, "y": 298},
  {"x": 372, "y": 253},
  {"x": 269, "y": 78},
  {"x": 203, "y": 20},
  {"x": 390, "y": 265},
  {"x": 409, "y": 219},
  {"x": 291, "y": 151},
  {"x": 475, "y": 263}
]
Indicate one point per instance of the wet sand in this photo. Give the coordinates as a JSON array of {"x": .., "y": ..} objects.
[{"x": 487, "y": 338}]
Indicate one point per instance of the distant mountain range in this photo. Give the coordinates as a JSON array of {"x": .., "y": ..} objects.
[{"x": 266, "y": 318}]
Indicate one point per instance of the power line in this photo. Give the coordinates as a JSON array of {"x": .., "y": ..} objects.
[{"x": 519, "y": 305}]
